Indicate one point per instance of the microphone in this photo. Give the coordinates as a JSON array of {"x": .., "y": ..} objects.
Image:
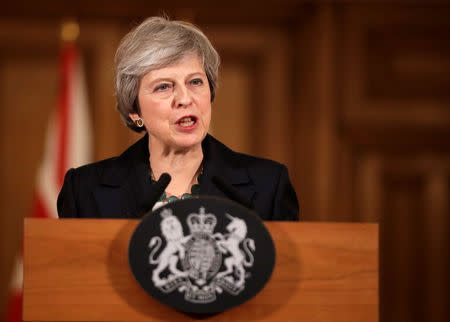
[
  {"x": 157, "y": 190},
  {"x": 231, "y": 192}
]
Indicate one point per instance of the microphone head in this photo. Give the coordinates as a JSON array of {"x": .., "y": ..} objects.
[
  {"x": 156, "y": 191},
  {"x": 164, "y": 180}
]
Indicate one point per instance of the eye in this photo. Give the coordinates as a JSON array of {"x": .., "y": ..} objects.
[
  {"x": 197, "y": 81},
  {"x": 162, "y": 87}
]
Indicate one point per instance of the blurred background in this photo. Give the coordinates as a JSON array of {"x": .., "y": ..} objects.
[{"x": 354, "y": 96}]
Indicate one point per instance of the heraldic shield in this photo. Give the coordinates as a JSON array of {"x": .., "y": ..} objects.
[{"x": 202, "y": 255}]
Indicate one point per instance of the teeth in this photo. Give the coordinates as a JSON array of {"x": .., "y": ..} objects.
[{"x": 187, "y": 121}]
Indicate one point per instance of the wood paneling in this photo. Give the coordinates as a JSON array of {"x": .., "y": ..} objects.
[
  {"x": 395, "y": 67},
  {"x": 353, "y": 97},
  {"x": 401, "y": 248},
  {"x": 264, "y": 101},
  {"x": 408, "y": 62}
]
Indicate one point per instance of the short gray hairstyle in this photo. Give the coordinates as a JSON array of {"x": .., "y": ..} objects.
[{"x": 156, "y": 43}]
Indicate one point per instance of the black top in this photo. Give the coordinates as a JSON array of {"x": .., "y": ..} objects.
[{"x": 117, "y": 187}]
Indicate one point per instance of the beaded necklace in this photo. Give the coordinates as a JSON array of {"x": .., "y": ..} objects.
[{"x": 195, "y": 189}]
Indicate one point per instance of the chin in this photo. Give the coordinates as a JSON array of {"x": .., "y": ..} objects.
[{"x": 187, "y": 143}]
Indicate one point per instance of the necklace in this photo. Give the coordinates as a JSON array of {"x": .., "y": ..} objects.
[{"x": 195, "y": 189}]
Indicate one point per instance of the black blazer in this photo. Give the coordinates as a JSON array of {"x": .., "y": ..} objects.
[{"x": 117, "y": 187}]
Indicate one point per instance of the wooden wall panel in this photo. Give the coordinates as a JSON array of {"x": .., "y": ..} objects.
[
  {"x": 415, "y": 231},
  {"x": 408, "y": 61},
  {"x": 397, "y": 65},
  {"x": 394, "y": 108},
  {"x": 264, "y": 55},
  {"x": 401, "y": 248},
  {"x": 231, "y": 114},
  {"x": 353, "y": 97}
]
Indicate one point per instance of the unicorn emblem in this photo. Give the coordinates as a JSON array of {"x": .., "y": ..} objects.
[{"x": 237, "y": 231}]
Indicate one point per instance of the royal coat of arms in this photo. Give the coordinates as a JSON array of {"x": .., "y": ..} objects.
[{"x": 204, "y": 263}]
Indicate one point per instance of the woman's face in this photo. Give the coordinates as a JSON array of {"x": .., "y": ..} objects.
[{"x": 175, "y": 104}]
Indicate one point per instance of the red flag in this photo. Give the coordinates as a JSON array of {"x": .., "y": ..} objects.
[{"x": 68, "y": 144}]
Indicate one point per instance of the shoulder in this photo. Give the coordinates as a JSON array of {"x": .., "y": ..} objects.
[
  {"x": 77, "y": 195},
  {"x": 116, "y": 166},
  {"x": 265, "y": 182},
  {"x": 92, "y": 172}
]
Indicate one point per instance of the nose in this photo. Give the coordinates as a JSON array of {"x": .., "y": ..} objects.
[{"x": 182, "y": 96}]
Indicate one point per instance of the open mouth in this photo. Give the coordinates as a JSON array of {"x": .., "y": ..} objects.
[{"x": 187, "y": 121}]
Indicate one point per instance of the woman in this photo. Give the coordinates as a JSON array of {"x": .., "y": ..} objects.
[{"x": 165, "y": 79}]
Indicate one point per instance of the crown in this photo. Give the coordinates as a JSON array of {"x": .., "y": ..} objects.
[
  {"x": 201, "y": 222},
  {"x": 167, "y": 212}
]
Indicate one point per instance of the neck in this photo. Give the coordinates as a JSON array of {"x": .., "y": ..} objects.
[{"x": 183, "y": 166}]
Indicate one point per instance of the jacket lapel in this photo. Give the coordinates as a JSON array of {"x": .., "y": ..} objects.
[{"x": 222, "y": 162}]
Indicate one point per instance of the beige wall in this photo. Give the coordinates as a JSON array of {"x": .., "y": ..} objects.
[{"x": 353, "y": 97}]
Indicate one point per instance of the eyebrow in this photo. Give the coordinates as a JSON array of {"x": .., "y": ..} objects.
[
  {"x": 197, "y": 73},
  {"x": 168, "y": 79}
]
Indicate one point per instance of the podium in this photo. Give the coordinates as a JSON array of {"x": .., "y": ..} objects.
[{"x": 77, "y": 270}]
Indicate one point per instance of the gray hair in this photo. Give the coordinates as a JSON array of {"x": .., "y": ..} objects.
[{"x": 156, "y": 43}]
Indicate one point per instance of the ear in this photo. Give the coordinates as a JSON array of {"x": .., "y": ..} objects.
[{"x": 134, "y": 116}]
